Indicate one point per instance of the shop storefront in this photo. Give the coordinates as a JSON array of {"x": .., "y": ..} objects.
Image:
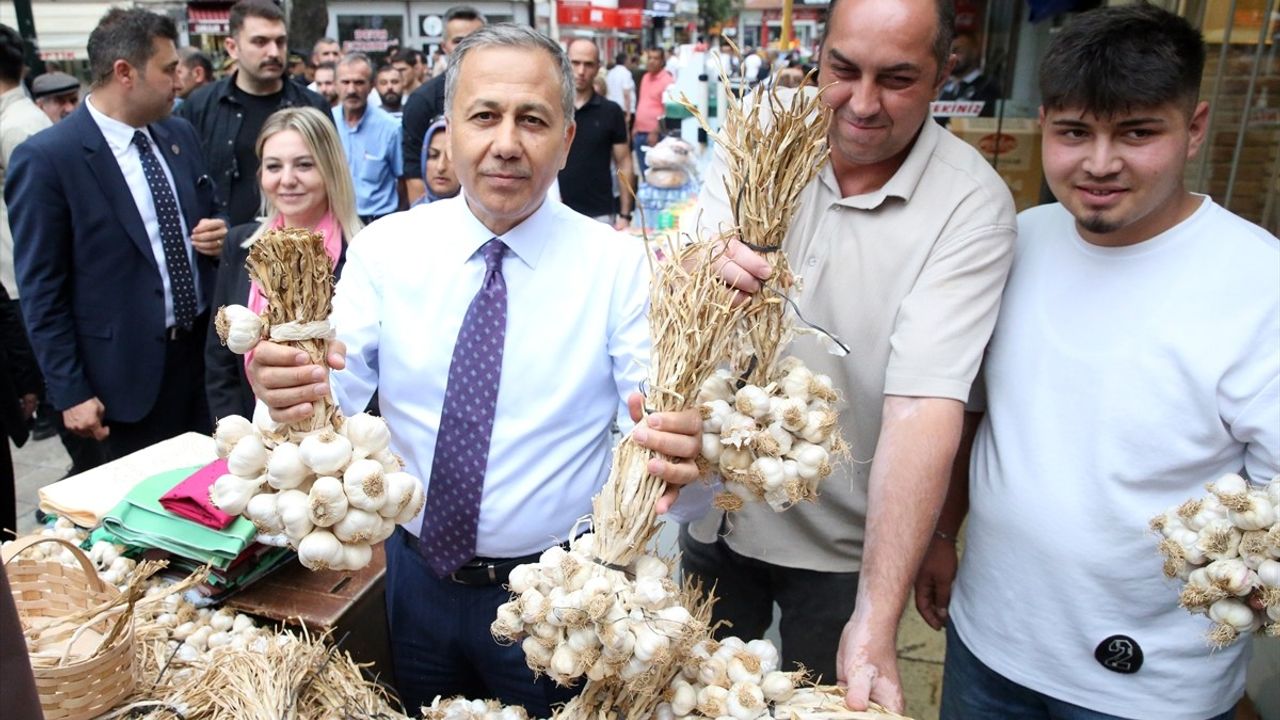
[
  {"x": 760, "y": 23},
  {"x": 208, "y": 24},
  {"x": 377, "y": 28}
]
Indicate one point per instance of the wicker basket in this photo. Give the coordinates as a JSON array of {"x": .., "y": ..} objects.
[{"x": 73, "y": 689}]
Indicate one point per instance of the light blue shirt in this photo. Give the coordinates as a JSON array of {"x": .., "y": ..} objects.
[
  {"x": 120, "y": 139},
  {"x": 375, "y": 158},
  {"x": 577, "y": 344}
]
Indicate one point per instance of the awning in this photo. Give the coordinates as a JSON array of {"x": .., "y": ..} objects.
[
  {"x": 62, "y": 28},
  {"x": 206, "y": 19}
]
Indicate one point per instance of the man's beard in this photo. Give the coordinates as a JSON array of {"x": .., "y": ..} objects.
[{"x": 1099, "y": 225}]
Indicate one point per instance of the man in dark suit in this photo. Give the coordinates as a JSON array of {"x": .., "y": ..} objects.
[{"x": 113, "y": 214}]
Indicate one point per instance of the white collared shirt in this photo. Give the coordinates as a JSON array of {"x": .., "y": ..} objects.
[
  {"x": 120, "y": 139},
  {"x": 577, "y": 343}
]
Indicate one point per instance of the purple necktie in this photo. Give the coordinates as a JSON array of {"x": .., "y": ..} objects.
[{"x": 448, "y": 537}]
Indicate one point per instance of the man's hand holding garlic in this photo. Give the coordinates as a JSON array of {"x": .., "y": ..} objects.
[{"x": 285, "y": 380}]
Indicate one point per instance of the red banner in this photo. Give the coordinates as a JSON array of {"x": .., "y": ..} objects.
[
  {"x": 631, "y": 18},
  {"x": 573, "y": 13}
]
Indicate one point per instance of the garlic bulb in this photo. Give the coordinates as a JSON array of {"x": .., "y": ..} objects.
[
  {"x": 369, "y": 435},
  {"x": 326, "y": 453},
  {"x": 228, "y": 432},
  {"x": 363, "y": 482},
  {"x": 294, "y": 507},
  {"x": 285, "y": 468},
  {"x": 398, "y": 493},
  {"x": 231, "y": 493},
  {"x": 248, "y": 458},
  {"x": 356, "y": 556},
  {"x": 327, "y": 502},
  {"x": 320, "y": 550},
  {"x": 239, "y": 327},
  {"x": 357, "y": 526},
  {"x": 262, "y": 512}
]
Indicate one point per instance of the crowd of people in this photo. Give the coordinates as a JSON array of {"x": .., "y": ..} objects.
[{"x": 1048, "y": 380}]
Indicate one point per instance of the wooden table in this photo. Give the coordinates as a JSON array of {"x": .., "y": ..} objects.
[{"x": 329, "y": 600}]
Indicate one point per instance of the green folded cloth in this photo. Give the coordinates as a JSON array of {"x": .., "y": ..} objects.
[{"x": 140, "y": 520}]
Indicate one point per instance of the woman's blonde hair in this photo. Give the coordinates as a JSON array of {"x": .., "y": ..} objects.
[{"x": 321, "y": 139}]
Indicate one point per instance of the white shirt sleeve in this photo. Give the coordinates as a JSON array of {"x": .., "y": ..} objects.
[
  {"x": 629, "y": 345},
  {"x": 357, "y": 309}
]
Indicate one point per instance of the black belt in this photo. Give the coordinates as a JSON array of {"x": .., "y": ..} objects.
[
  {"x": 178, "y": 333},
  {"x": 485, "y": 571}
]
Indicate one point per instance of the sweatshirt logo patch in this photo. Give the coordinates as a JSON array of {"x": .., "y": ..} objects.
[{"x": 1119, "y": 653}]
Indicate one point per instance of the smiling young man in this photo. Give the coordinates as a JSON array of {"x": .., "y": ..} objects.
[
  {"x": 903, "y": 241},
  {"x": 1136, "y": 357},
  {"x": 229, "y": 113},
  {"x": 500, "y": 330}
]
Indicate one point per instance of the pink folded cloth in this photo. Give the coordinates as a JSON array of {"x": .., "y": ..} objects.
[{"x": 190, "y": 498}]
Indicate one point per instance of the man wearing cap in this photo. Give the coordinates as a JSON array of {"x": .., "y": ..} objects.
[
  {"x": 56, "y": 93},
  {"x": 19, "y": 120}
]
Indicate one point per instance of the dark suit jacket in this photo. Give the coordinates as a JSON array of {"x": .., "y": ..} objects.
[
  {"x": 91, "y": 289},
  {"x": 226, "y": 385}
]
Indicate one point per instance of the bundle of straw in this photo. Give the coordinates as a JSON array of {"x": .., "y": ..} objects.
[
  {"x": 691, "y": 323},
  {"x": 775, "y": 142},
  {"x": 296, "y": 277},
  {"x": 299, "y": 677}
]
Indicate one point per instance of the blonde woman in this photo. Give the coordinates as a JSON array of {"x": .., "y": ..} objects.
[{"x": 305, "y": 183}]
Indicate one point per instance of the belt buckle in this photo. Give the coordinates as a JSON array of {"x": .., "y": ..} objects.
[{"x": 490, "y": 568}]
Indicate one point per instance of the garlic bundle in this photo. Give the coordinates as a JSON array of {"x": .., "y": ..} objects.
[
  {"x": 459, "y": 708},
  {"x": 772, "y": 443},
  {"x": 728, "y": 678},
  {"x": 575, "y": 617},
  {"x": 331, "y": 495},
  {"x": 1226, "y": 547}
]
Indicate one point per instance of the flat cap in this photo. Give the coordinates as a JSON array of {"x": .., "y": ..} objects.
[{"x": 54, "y": 83}]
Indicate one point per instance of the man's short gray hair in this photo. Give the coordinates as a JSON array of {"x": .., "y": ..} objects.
[{"x": 509, "y": 35}]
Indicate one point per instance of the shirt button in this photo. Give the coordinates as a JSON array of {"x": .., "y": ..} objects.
[{"x": 813, "y": 261}]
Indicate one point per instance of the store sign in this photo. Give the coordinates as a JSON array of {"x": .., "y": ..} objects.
[
  {"x": 631, "y": 19},
  {"x": 957, "y": 108},
  {"x": 595, "y": 16},
  {"x": 661, "y": 8},
  {"x": 368, "y": 40}
]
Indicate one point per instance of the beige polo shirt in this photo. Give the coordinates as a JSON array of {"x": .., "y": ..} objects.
[
  {"x": 19, "y": 120},
  {"x": 910, "y": 277}
]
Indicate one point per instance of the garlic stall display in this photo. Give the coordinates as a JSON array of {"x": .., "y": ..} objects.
[
  {"x": 330, "y": 487},
  {"x": 1226, "y": 547},
  {"x": 774, "y": 443}
]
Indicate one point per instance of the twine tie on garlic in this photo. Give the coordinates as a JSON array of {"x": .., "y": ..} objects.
[
  {"x": 449, "y": 524},
  {"x": 181, "y": 281}
]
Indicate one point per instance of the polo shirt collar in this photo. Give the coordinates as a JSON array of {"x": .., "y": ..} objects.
[
  {"x": 525, "y": 240},
  {"x": 903, "y": 183}
]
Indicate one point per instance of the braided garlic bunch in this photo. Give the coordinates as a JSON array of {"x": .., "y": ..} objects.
[
  {"x": 1226, "y": 546},
  {"x": 575, "y": 617},
  {"x": 773, "y": 443}
]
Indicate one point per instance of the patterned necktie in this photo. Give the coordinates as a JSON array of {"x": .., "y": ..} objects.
[
  {"x": 181, "y": 283},
  {"x": 448, "y": 536}
]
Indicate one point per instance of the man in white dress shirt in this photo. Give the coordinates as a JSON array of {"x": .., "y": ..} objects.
[{"x": 521, "y": 315}]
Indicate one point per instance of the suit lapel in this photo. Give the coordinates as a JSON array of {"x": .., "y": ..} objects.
[{"x": 102, "y": 162}]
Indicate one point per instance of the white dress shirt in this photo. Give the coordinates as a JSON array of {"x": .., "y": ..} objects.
[
  {"x": 577, "y": 343},
  {"x": 120, "y": 139}
]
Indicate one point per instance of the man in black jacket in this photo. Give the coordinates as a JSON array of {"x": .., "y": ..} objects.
[
  {"x": 229, "y": 113},
  {"x": 19, "y": 383},
  {"x": 423, "y": 106}
]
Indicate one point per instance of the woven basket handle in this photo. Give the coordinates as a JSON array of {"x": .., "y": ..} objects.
[{"x": 22, "y": 544}]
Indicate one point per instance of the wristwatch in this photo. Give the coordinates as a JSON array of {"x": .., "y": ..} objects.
[{"x": 625, "y": 216}]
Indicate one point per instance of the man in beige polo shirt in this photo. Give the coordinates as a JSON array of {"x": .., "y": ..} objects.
[{"x": 903, "y": 242}]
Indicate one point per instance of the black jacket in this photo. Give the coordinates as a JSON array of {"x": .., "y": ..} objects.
[
  {"x": 216, "y": 114},
  {"x": 226, "y": 385},
  {"x": 18, "y": 373}
]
